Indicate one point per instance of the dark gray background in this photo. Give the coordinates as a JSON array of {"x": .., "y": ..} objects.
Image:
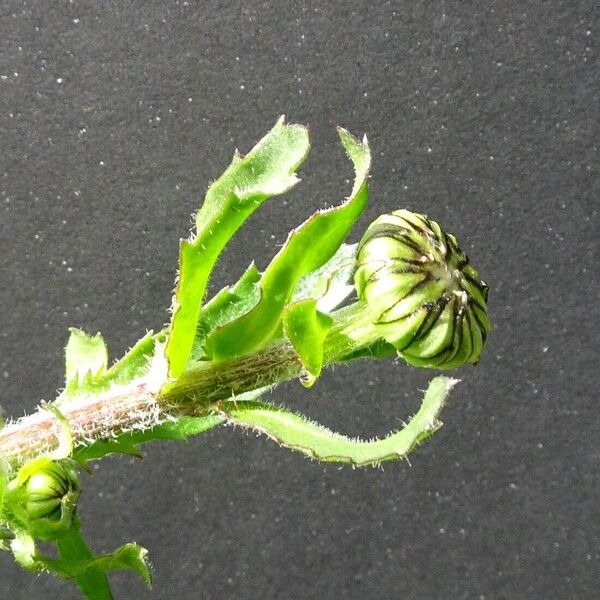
[{"x": 114, "y": 118}]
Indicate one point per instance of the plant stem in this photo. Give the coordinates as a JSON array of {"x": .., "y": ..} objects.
[
  {"x": 135, "y": 407},
  {"x": 93, "y": 582}
]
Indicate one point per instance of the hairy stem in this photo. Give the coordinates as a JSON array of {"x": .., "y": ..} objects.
[{"x": 136, "y": 407}]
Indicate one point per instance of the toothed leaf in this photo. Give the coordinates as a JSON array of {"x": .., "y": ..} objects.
[
  {"x": 267, "y": 170},
  {"x": 297, "y": 433},
  {"x": 135, "y": 364},
  {"x": 307, "y": 248},
  {"x": 86, "y": 357},
  {"x": 78, "y": 562}
]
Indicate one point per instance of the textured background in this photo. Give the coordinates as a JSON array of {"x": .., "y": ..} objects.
[{"x": 114, "y": 118}]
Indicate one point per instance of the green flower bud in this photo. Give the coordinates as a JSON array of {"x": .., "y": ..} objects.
[
  {"x": 44, "y": 496},
  {"x": 46, "y": 489},
  {"x": 429, "y": 302}
]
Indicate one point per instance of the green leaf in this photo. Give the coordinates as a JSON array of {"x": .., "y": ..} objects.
[
  {"x": 73, "y": 550},
  {"x": 267, "y": 170},
  {"x": 306, "y": 328},
  {"x": 231, "y": 301},
  {"x": 65, "y": 435},
  {"x": 86, "y": 357},
  {"x": 228, "y": 304},
  {"x": 307, "y": 248},
  {"x": 129, "y": 556},
  {"x": 360, "y": 155},
  {"x": 297, "y": 433},
  {"x": 127, "y": 443},
  {"x": 135, "y": 364},
  {"x": 78, "y": 562}
]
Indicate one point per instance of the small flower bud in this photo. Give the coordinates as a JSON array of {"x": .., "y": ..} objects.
[
  {"x": 428, "y": 301},
  {"x": 47, "y": 491}
]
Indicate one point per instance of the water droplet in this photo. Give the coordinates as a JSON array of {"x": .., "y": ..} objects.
[{"x": 307, "y": 380}]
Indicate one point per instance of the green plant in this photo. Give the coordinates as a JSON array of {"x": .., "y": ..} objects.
[{"x": 414, "y": 295}]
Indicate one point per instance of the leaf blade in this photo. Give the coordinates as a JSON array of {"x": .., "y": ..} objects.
[
  {"x": 267, "y": 170},
  {"x": 92, "y": 582},
  {"x": 307, "y": 248},
  {"x": 307, "y": 328},
  {"x": 295, "y": 432},
  {"x": 135, "y": 364},
  {"x": 86, "y": 356}
]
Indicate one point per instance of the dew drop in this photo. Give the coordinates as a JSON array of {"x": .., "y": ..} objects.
[{"x": 307, "y": 380}]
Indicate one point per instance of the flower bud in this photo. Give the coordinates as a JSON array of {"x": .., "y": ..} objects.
[
  {"x": 46, "y": 492},
  {"x": 46, "y": 489},
  {"x": 428, "y": 301}
]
